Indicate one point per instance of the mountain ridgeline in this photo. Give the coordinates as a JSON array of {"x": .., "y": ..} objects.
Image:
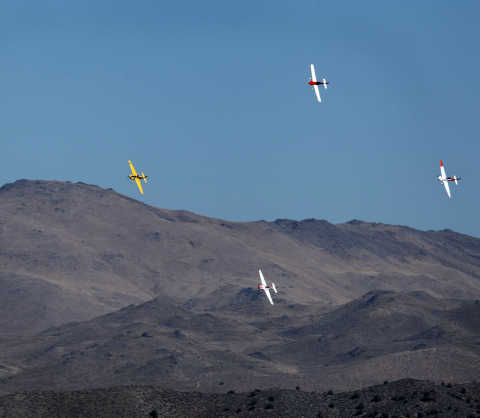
[
  {"x": 99, "y": 290},
  {"x": 74, "y": 251}
]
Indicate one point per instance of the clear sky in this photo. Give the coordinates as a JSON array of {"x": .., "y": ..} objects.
[{"x": 210, "y": 100}]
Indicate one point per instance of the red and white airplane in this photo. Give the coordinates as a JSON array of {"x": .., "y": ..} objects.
[
  {"x": 444, "y": 179},
  {"x": 314, "y": 83},
  {"x": 263, "y": 286}
]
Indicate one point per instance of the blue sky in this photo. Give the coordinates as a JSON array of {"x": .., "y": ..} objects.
[{"x": 210, "y": 100}]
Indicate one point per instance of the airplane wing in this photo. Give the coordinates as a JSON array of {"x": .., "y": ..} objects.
[
  {"x": 139, "y": 184},
  {"x": 317, "y": 93},
  {"x": 262, "y": 279},
  {"x": 312, "y": 69},
  {"x": 442, "y": 170},
  {"x": 447, "y": 187},
  {"x": 269, "y": 296},
  {"x": 132, "y": 168}
]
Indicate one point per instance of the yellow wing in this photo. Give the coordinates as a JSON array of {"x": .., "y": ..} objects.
[
  {"x": 132, "y": 168},
  {"x": 139, "y": 184}
]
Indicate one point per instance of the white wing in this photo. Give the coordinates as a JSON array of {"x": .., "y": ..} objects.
[
  {"x": 264, "y": 284},
  {"x": 312, "y": 69},
  {"x": 262, "y": 280},
  {"x": 442, "y": 171},
  {"x": 317, "y": 93},
  {"x": 447, "y": 187},
  {"x": 267, "y": 292}
]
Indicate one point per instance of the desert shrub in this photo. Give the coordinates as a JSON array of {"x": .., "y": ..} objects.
[{"x": 428, "y": 396}]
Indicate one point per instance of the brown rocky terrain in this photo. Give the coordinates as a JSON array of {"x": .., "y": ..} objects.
[
  {"x": 76, "y": 251},
  {"x": 382, "y": 335},
  {"x": 100, "y": 290}
]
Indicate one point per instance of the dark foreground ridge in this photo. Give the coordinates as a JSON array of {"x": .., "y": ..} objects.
[{"x": 403, "y": 398}]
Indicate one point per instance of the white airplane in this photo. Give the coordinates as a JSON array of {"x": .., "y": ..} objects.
[
  {"x": 444, "y": 179},
  {"x": 314, "y": 83},
  {"x": 263, "y": 286}
]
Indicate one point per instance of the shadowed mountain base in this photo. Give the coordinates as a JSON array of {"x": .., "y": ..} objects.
[{"x": 404, "y": 398}]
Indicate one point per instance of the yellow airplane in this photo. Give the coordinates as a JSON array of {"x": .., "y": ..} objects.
[{"x": 135, "y": 177}]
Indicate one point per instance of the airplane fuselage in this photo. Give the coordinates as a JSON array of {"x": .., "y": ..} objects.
[
  {"x": 442, "y": 179},
  {"x": 132, "y": 177},
  {"x": 317, "y": 83}
]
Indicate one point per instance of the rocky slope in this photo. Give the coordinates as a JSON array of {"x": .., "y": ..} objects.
[
  {"x": 71, "y": 252},
  {"x": 382, "y": 335}
]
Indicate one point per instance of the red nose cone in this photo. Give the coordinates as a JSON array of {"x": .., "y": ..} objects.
[{"x": 311, "y": 83}]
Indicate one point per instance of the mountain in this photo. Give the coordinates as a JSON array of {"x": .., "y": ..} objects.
[
  {"x": 101, "y": 290},
  {"x": 382, "y": 335},
  {"x": 72, "y": 252}
]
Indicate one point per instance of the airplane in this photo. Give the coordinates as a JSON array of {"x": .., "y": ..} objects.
[
  {"x": 314, "y": 83},
  {"x": 444, "y": 179},
  {"x": 135, "y": 177},
  {"x": 263, "y": 286}
]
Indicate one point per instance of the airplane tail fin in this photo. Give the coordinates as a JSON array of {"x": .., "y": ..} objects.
[
  {"x": 144, "y": 177},
  {"x": 456, "y": 180},
  {"x": 274, "y": 288},
  {"x": 325, "y": 83}
]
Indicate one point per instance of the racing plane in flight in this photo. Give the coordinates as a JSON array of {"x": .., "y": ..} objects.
[
  {"x": 444, "y": 179},
  {"x": 263, "y": 286},
  {"x": 136, "y": 177},
  {"x": 314, "y": 83}
]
